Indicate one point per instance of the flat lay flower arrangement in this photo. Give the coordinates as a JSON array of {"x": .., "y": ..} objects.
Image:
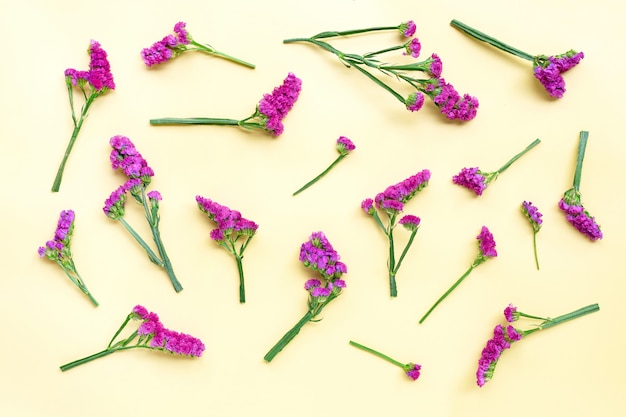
[{"x": 234, "y": 233}]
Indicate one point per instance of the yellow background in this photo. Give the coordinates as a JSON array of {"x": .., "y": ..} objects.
[{"x": 576, "y": 369}]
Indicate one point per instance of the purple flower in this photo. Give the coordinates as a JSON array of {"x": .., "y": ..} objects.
[
  {"x": 275, "y": 106},
  {"x": 407, "y": 29},
  {"x": 155, "y": 195},
  {"x": 319, "y": 255},
  {"x": 491, "y": 354},
  {"x": 472, "y": 179},
  {"x": 312, "y": 283},
  {"x": 410, "y": 222},
  {"x": 412, "y": 370},
  {"x": 451, "y": 103},
  {"x": 581, "y": 220},
  {"x": 486, "y": 243},
  {"x": 415, "y": 101},
  {"x": 125, "y": 156},
  {"x": 167, "y": 48},
  {"x": 436, "y": 67},
  {"x": 181, "y": 33},
  {"x": 320, "y": 292},
  {"x": 368, "y": 206},
  {"x": 510, "y": 313},
  {"x": 345, "y": 145},
  {"x": 548, "y": 70},
  {"x": 413, "y": 48},
  {"x": 58, "y": 248},
  {"x": 533, "y": 214},
  {"x": 99, "y": 76},
  {"x": 114, "y": 205}
]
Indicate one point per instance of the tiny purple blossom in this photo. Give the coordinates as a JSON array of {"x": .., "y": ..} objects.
[
  {"x": 410, "y": 222},
  {"x": 415, "y": 101},
  {"x": 532, "y": 213},
  {"x": 486, "y": 243},
  {"x": 510, "y": 313},
  {"x": 412, "y": 370},
  {"x": 436, "y": 67},
  {"x": 581, "y": 220},
  {"x": 344, "y": 145},
  {"x": 413, "y": 48},
  {"x": 472, "y": 179},
  {"x": 155, "y": 195},
  {"x": 312, "y": 283},
  {"x": 407, "y": 29},
  {"x": 320, "y": 292}
]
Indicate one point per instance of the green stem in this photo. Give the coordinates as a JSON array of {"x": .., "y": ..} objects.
[
  {"x": 535, "y": 249},
  {"x": 210, "y": 50},
  {"x": 167, "y": 264},
  {"x": 382, "y": 51},
  {"x": 75, "y": 277},
  {"x": 153, "y": 257},
  {"x": 406, "y": 249},
  {"x": 393, "y": 290},
  {"x": 582, "y": 145},
  {"x": 119, "y": 330},
  {"x": 380, "y": 83},
  {"x": 314, "y": 180},
  {"x": 447, "y": 293},
  {"x": 242, "y": 289},
  {"x": 288, "y": 337},
  {"x": 194, "y": 121},
  {"x": 518, "y": 156},
  {"x": 592, "y": 308},
  {"x": 490, "y": 40},
  {"x": 86, "y": 359},
  {"x": 380, "y": 355},
  {"x": 330, "y": 34},
  {"x": 57, "y": 180}
]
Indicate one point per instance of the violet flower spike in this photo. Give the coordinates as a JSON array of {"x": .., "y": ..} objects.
[
  {"x": 391, "y": 203},
  {"x": 233, "y": 233},
  {"x": 268, "y": 115},
  {"x": 422, "y": 76},
  {"x": 504, "y": 337},
  {"x": 125, "y": 157},
  {"x": 412, "y": 370},
  {"x": 58, "y": 250},
  {"x": 92, "y": 84},
  {"x": 318, "y": 255},
  {"x": 486, "y": 250},
  {"x": 546, "y": 69},
  {"x": 344, "y": 146},
  {"x": 151, "y": 334},
  {"x": 173, "y": 45},
  {"x": 477, "y": 181},
  {"x": 571, "y": 203},
  {"x": 534, "y": 217}
]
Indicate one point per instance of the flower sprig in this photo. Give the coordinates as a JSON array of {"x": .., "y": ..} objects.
[
  {"x": 534, "y": 217},
  {"x": 486, "y": 250},
  {"x": 318, "y": 255},
  {"x": 151, "y": 335},
  {"x": 344, "y": 146},
  {"x": 124, "y": 156},
  {"x": 233, "y": 233},
  {"x": 268, "y": 115},
  {"x": 477, "y": 181},
  {"x": 504, "y": 337},
  {"x": 58, "y": 250},
  {"x": 571, "y": 203},
  {"x": 391, "y": 202},
  {"x": 181, "y": 41},
  {"x": 422, "y": 77},
  {"x": 92, "y": 84},
  {"x": 412, "y": 370},
  {"x": 546, "y": 68}
]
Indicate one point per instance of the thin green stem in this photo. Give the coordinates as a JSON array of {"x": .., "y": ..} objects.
[
  {"x": 380, "y": 355},
  {"x": 330, "y": 34},
  {"x": 151, "y": 255},
  {"x": 582, "y": 145},
  {"x": 194, "y": 121},
  {"x": 293, "y": 332},
  {"x": 212, "y": 51},
  {"x": 167, "y": 264},
  {"x": 380, "y": 83},
  {"x": 406, "y": 249},
  {"x": 535, "y": 249},
  {"x": 119, "y": 330},
  {"x": 56, "y": 185},
  {"x": 382, "y": 51},
  {"x": 592, "y": 308},
  {"x": 74, "y": 276},
  {"x": 314, "y": 180},
  {"x": 393, "y": 290},
  {"x": 456, "y": 284},
  {"x": 242, "y": 288},
  {"x": 476, "y": 34},
  {"x": 518, "y": 156}
]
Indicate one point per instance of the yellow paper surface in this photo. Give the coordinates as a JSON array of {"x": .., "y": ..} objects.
[{"x": 576, "y": 369}]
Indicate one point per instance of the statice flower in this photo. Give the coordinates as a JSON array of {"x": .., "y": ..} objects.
[
  {"x": 412, "y": 370},
  {"x": 546, "y": 68},
  {"x": 233, "y": 233},
  {"x": 389, "y": 204},
  {"x": 125, "y": 157},
  {"x": 58, "y": 250},
  {"x": 268, "y": 115},
  {"x": 477, "y": 181},
  {"x": 571, "y": 203},
  {"x": 173, "y": 45},
  {"x": 421, "y": 76},
  {"x": 504, "y": 336},
  {"x": 534, "y": 217},
  {"x": 92, "y": 84},
  {"x": 150, "y": 334},
  {"x": 486, "y": 250},
  {"x": 318, "y": 255},
  {"x": 344, "y": 146}
]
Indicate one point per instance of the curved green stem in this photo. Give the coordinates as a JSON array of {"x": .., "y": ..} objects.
[
  {"x": 582, "y": 145},
  {"x": 456, "y": 284},
  {"x": 476, "y": 34},
  {"x": 380, "y": 355},
  {"x": 314, "y": 180},
  {"x": 293, "y": 332},
  {"x": 518, "y": 156}
]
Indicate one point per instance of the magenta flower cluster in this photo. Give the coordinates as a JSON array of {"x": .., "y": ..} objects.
[
  {"x": 472, "y": 179},
  {"x": 408, "y": 28},
  {"x": 410, "y": 222},
  {"x": 533, "y": 214},
  {"x": 99, "y": 75},
  {"x": 548, "y": 70},
  {"x": 486, "y": 243},
  {"x": 413, "y": 48},
  {"x": 167, "y": 48},
  {"x": 57, "y": 248},
  {"x": 393, "y": 198},
  {"x": 228, "y": 221},
  {"x": 413, "y": 370},
  {"x": 501, "y": 340},
  {"x": 451, "y": 104},
  {"x": 317, "y": 290},
  {"x": 581, "y": 220},
  {"x": 319, "y": 255},
  {"x": 344, "y": 145},
  {"x": 275, "y": 105},
  {"x": 165, "y": 339}
]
